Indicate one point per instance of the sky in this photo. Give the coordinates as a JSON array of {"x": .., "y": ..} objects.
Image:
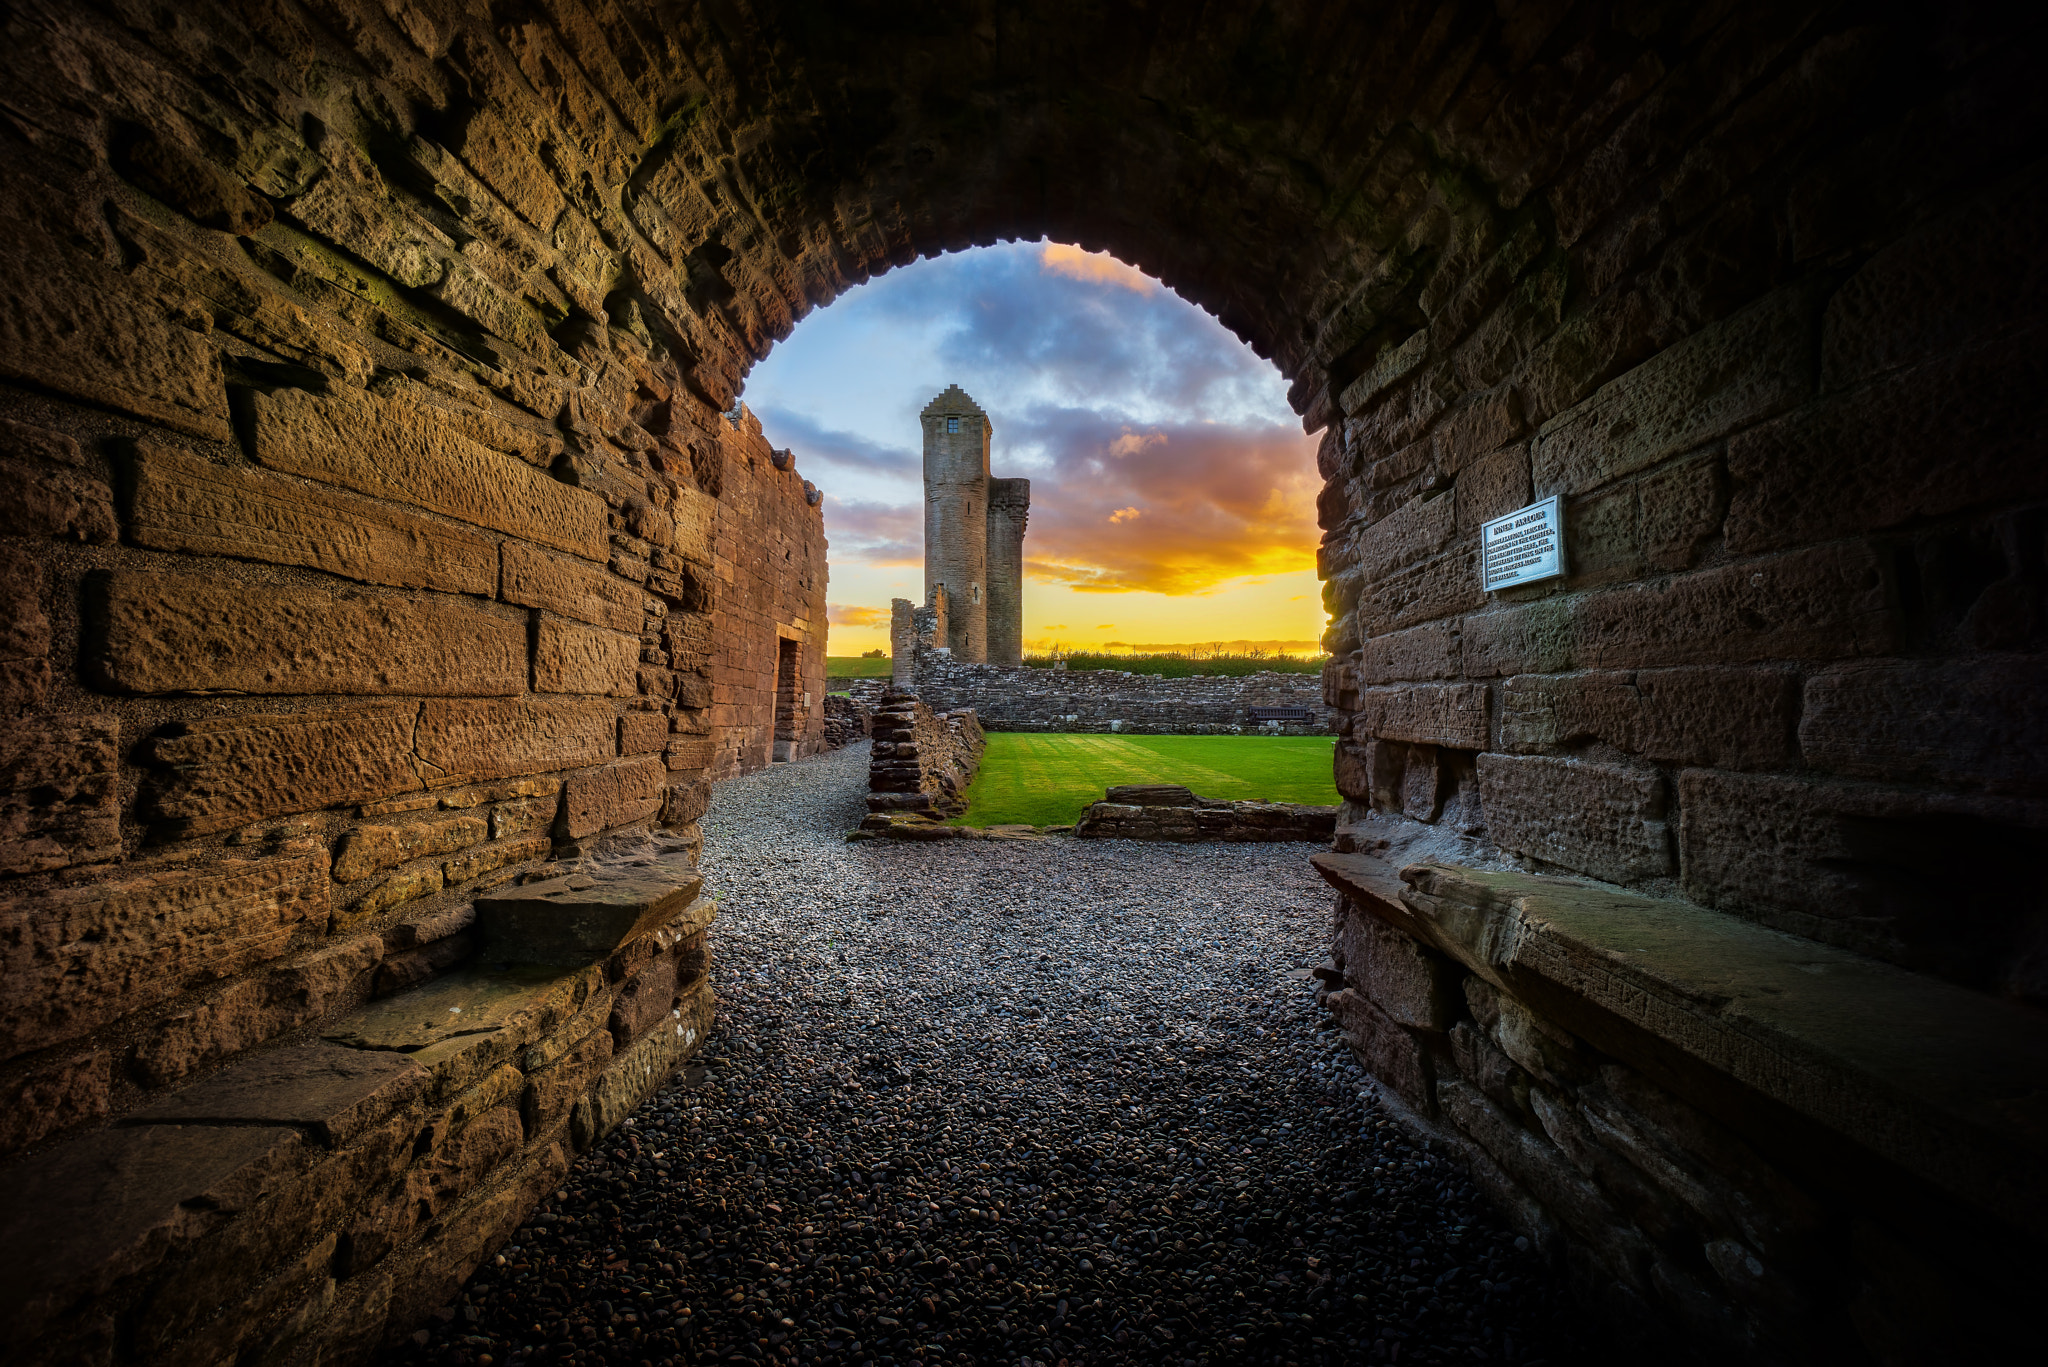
[{"x": 1172, "y": 489}]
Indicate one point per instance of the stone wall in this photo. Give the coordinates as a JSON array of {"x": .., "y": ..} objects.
[
  {"x": 1736, "y": 1140},
  {"x": 847, "y": 720},
  {"x": 1105, "y": 700},
  {"x": 923, "y": 760},
  {"x": 364, "y": 370},
  {"x": 1169, "y": 812}
]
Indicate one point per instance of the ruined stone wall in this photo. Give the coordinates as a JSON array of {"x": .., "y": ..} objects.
[
  {"x": 1170, "y": 812},
  {"x": 1103, "y": 700},
  {"x": 923, "y": 759},
  {"x": 1009, "y": 509}
]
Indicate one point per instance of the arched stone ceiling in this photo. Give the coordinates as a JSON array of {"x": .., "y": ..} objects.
[{"x": 704, "y": 174}]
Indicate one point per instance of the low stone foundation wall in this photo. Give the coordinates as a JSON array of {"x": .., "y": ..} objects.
[
  {"x": 1169, "y": 812},
  {"x": 923, "y": 760},
  {"x": 1745, "y": 1146},
  {"x": 1023, "y": 698},
  {"x": 313, "y": 1201},
  {"x": 846, "y": 721}
]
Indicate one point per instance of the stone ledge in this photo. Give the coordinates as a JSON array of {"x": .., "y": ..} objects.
[
  {"x": 1946, "y": 1083},
  {"x": 1166, "y": 812}
]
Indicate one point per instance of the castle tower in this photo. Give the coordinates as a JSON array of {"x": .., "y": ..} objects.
[
  {"x": 1009, "y": 505},
  {"x": 956, "y": 437}
]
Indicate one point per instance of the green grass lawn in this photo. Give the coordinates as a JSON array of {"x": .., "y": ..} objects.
[
  {"x": 1045, "y": 780},
  {"x": 855, "y": 667}
]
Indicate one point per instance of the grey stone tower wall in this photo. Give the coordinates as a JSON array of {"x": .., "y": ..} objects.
[
  {"x": 1009, "y": 505},
  {"x": 956, "y": 518}
]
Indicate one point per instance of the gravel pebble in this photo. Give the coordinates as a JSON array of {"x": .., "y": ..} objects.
[{"x": 1006, "y": 1103}]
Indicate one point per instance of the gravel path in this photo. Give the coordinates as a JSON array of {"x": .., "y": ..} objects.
[{"x": 1006, "y": 1103}]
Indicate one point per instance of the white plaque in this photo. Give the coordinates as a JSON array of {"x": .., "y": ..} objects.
[{"x": 1524, "y": 546}]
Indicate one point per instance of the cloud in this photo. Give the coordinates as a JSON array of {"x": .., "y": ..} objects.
[
  {"x": 845, "y": 615},
  {"x": 1094, "y": 267},
  {"x": 815, "y": 444},
  {"x": 1174, "y": 508},
  {"x": 874, "y": 533}
]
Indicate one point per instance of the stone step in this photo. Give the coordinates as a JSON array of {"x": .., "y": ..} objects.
[{"x": 582, "y": 918}]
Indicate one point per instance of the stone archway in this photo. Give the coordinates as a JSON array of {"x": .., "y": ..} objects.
[{"x": 388, "y": 528}]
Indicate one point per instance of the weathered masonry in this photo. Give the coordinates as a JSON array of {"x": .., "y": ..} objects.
[
  {"x": 377, "y": 539},
  {"x": 973, "y": 534}
]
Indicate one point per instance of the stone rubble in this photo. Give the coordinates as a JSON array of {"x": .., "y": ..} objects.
[{"x": 1025, "y": 1105}]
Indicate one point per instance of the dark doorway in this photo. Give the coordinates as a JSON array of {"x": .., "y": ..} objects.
[{"x": 789, "y": 709}]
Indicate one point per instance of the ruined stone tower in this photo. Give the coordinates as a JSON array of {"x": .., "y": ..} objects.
[{"x": 973, "y": 533}]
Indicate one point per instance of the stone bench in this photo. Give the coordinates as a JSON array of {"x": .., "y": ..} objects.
[
  {"x": 1717, "y": 1111},
  {"x": 1170, "y": 812},
  {"x": 352, "y": 1180}
]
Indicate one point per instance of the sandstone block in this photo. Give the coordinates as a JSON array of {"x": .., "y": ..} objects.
[
  {"x": 78, "y": 328},
  {"x": 67, "y": 505},
  {"x": 125, "y": 1199},
  {"x": 521, "y": 815},
  {"x": 1728, "y": 718},
  {"x": 1412, "y": 985},
  {"x": 683, "y": 803},
  {"x": 409, "y": 454},
  {"x": 1424, "y": 652},
  {"x": 1387, "y": 1051},
  {"x": 1980, "y": 723},
  {"x": 253, "y": 1011},
  {"x": 595, "y": 800},
  {"x": 572, "y": 588},
  {"x": 181, "y": 502},
  {"x": 644, "y": 1000},
  {"x": 469, "y": 742},
  {"x": 1441, "y": 587},
  {"x": 1827, "y": 602},
  {"x": 497, "y": 855},
  {"x": 372, "y": 849},
  {"x": 552, "y": 1091},
  {"x": 1722, "y": 378},
  {"x": 155, "y": 633},
  {"x": 433, "y": 1184},
  {"x": 222, "y": 772},
  {"x": 571, "y": 658},
  {"x": 1430, "y": 714},
  {"x": 1391, "y": 366},
  {"x": 634, "y": 1074},
  {"x": 408, "y": 885},
  {"x": 60, "y": 800},
  {"x": 1854, "y": 864},
  {"x": 1970, "y": 275},
  {"x": 1531, "y": 638},
  {"x": 1596, "y": 818},
  {"x": 77, "y": 957},
  {"x": 1492, "y": 486},
  {"x": 642, "y": 733},
  {"x": 1954, "y": 433},
  {"x": 1419, "y": 530},
  {"x": 24, "y": 631},
  {"x": 55, "y": 1096},
  {"x": 690, "y": 753},
  {"x": 1354, "y": 771}
]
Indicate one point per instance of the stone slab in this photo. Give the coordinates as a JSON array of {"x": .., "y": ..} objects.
[
  {"x": 409, "y": 454},
  {"x": 331, "y": 1093},
  {"x": 74, "y": 958},
  {"x": 1601, "y": 819},
  {"x": 580, "y": 919},
  {"x": 222, "y": 772},
  {"x": 159, "y": 633},
  {"x": 464, "y": 1005},
  {"x": 60, "y": 792},
  {"x": 533, "y": 578},
  {"x": 77, "y": 1219},
  {"x": 1944, "y": 1082},
  {"x": 470, "y": 742},
  {"x": 181, "y": 502}
]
